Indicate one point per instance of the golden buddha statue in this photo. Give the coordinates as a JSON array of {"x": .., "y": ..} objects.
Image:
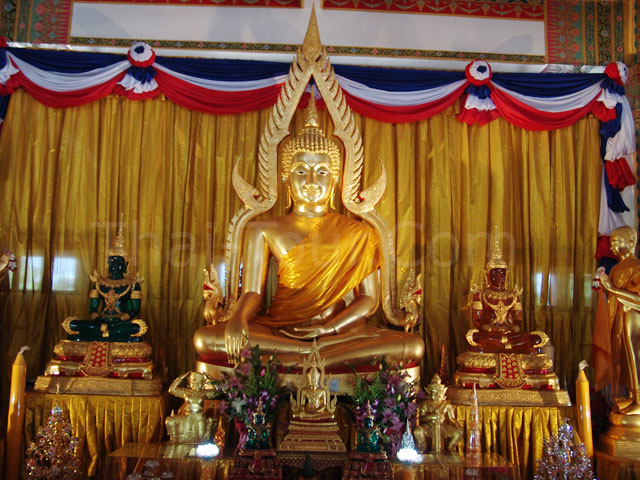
[
  {"x": 329, "y": 265},
  {"x": 500, "y": 354},
  {"x": 437, "y": 421},
  {"x": 623, "y": 288},
  {"x": 191, "y": 426},
  {"x": 313, "y": 426}
]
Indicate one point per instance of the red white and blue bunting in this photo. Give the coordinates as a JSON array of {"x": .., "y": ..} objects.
[{"x": 541, "y": 101}]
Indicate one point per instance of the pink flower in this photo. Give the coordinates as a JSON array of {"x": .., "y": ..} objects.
[
  {"x": 40, "y": 9},
  {"x": 38, "y": 26}
]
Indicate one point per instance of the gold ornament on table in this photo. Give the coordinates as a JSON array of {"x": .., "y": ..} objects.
[
  {"x": 105, "y": 353},
  {"x": 623, "y": 287},
  {"x": 313, "y": 426},
  {"x": 328, "y": 264},
  {"x": 191, "y": 426},
  {"x": 438, "y": 421},
  {"x": 499, "y": 354}
]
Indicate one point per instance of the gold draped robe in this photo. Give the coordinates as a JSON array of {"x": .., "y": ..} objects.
[
  {"x": 321, "y": 269},
  {"x": 625, "y": 275}
]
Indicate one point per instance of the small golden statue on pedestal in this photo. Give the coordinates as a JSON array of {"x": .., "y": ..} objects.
[
  {"x": 313, "y": 426},
  {"x": 500, "y": 355},
  {"x": 191, "y": 426},
  {"x": 108, "y": 344},
  {"x": 623, "y": 287},
  {"x": 438, "y": 421}
]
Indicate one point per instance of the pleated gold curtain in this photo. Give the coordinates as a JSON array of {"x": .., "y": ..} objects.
[{"x": 67, "y": 174}]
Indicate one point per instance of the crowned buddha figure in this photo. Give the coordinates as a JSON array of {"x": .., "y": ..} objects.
[
  {"x": 109, "y": 342},
  {"x": 328, "y": 274},
  {"x": 500, "y": 353},
  {"x": 623, "y": 288},
  {"x": 114, "y": 303}
]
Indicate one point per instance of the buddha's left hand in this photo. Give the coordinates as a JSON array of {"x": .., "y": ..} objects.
[{"x": 307, "y": 333}]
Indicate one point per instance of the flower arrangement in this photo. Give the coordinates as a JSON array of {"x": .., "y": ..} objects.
[
  {"x": 392, "y": 399},
  {"x": 251, "y": 383}
]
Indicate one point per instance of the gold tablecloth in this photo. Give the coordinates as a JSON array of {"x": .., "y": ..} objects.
[
  {"x": 103, "y": 423},
  {"x": 517, "y": 433},
  {"x": 616, "y": 468}
]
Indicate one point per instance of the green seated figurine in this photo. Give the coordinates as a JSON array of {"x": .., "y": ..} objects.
[
  {"x": 114, "y": 303},
  {"x": 368, "y": 435}
]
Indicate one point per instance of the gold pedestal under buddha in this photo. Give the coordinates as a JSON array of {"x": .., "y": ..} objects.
[
  {"x": 104, "y": 353},
  {"x": 500, "y": 356}
]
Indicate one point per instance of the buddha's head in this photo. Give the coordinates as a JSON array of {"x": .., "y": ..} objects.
[
  {"x": 623, "y": 242},
  {"x": 311, "y": 165},
  {"x": 313, "y": 377},
  {"x": 117, "y": 265}
]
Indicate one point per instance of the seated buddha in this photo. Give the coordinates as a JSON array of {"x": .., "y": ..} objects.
[
  {"x": 328, "y": 273},
  {"x": 114, "y": 303},
  {"x": 496, "y": 312},
  {"x": 500, "y": 354},
  {"x": 108, "y": 343}
]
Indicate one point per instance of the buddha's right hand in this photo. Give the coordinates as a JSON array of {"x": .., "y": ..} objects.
[{"x": 235, "y": 334}]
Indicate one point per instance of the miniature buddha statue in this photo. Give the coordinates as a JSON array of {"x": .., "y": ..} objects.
[
  {"x": 114, "y": 303},
  {"x": 328, "y": 273},
  {"x": 258, "y": 430},
  {"x": 437, "y": 421},
  {"x": 312, "y": 424},
  {"x": 500, "y": 354},
  {"x": 623, "y": 288},
  {"x": 192, "y": 426},
  {"x": 368, "y": 435}
]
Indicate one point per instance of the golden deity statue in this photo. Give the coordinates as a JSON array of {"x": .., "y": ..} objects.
[
  {"x": 313, "y": 426},
  {"x": 437, "y": 421},
  {"x": 500, "y": 354},
  {"x": 191, "y": 426},
  {"x": 313, "y": 395},
  {"x": 333, "y": 271},
  {"x": 623, "y": 288}
]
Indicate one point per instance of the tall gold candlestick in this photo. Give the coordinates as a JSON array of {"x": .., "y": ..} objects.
[
  {"x": 16, "y": 414},
  {"x": 583, "y": 400}
]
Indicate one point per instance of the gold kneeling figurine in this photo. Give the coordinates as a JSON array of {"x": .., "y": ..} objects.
[
  {"x": 192, "y": 426},
  {"x": 437, "y": 421}
]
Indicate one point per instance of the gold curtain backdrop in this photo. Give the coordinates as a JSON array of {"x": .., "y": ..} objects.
[{"x": 67, "y": 174}]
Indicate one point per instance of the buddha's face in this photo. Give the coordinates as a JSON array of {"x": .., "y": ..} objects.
[
  {"x": 117, "y": 265},
  {"x": 622, "y": 244},
  {"x": 497, "y": 277},
  {"x": 310, "y": 180}
]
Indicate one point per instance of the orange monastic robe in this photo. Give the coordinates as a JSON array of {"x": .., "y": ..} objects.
[{"x": 320, "y": 270}]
